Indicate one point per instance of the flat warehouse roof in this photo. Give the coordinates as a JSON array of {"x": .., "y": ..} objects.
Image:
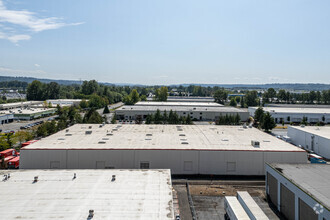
[
  {"x": 314, "y": 179},
  {"x": 162, "y": 137},
  {"x": 178, "y": 108},
  {"x": 28, "y": 111},
  {"x": 175, "y": 103},
  {"x": 296, "y": 110},
  {"x": 323, "y": 131},
  {"x": 134, "y": 194}
]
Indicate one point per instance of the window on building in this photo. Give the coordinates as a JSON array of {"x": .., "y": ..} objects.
[{"x": 144, "y": 165}]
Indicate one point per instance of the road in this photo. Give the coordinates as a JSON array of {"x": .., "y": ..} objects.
[{"x": 111, "y": 114}]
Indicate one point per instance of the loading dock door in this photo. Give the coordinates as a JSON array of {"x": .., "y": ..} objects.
[
  {"x": 287, "y": 203},
  {"x": 272, "y": 188},
  {"x": 100, "y": 164},
  {"x": 54, "y": 164}
]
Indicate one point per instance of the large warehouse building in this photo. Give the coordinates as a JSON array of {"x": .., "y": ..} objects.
[
  {"x": 299, "y": 191},
  {"x": 86, "y": 194},
  {"x": 185, "y": 149},
  {"x": 315, "y": 139},
  {"x": 205, "y": 113},
  {"x": 173, "y": 104},
  {"x": 296, "y": 115},
  {"x": 20, "y": 105}
]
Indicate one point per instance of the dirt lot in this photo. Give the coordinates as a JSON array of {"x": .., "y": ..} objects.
[{"x": 208, "y": 197}]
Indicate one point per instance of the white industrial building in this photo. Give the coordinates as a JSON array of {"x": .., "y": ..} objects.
[
  {"x": 180, "y": 104},
  {"x": 86, "y": 194},
  {"x": 296, "y": 115},
  {"x": 186, "y": 99},
  {"x": 314, "y": 139},
  {"x": 29, "y": 113},
  {"x": 20, "y": 105},
  {"x": 64, "y": 102},
  {"x": 299, "y": 191},
  {"x": 185, "y": 149},
  {"x": 6, "y": 118},
  {"x": 131, "y": 112}
]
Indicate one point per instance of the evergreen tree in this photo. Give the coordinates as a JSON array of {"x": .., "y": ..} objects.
[
  {"x": 268, "y": 122},
  {"x": 106, "y": 110}
]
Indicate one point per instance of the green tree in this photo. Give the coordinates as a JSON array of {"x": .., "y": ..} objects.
[
  {"x": 158, "y": 117},
  {"x": 89, "y": 87},
  {"x": 83, "y": 104},
  {"x": 161, "y": 94},
  {"x": 220, "y": 96},
  {"x": 52, "y": 90},
  {"x": 233, "y": 102},
  {"x": 149, "y": 119},
  {"x": 258, "y": 114},
  {"x": 96, "y": 101},
  {"x": 268, "y": 122},
  {"x": 92, "y": 117},
  {"x": 188, "y": 120},
  {"x": 35, "y": 91},
  {"x": 106, "y": 110},
  {"x": 143, "y": 98},
  {"x": 251, "y": 98},
  {"x": 135, "y": 96},
  {"x": 165, "y": 117}
]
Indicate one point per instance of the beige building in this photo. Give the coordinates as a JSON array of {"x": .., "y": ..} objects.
[{"x": 185, "y": 149}]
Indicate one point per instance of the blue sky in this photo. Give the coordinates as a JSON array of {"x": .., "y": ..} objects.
[{"x": 167, "y": 42}]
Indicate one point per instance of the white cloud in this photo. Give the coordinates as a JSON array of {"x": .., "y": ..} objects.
[
  {"x": 37, "y": 65},
  {"x": 5, "y": 70},
  {"x": 29, "y": 21}
]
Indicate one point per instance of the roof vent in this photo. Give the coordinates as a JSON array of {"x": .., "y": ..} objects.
[
  {"x": 113, "y": 178},
  {"x": 182, "y": 135},
  {"x": 74, "y": 176},
  {"x": 68, "y": 134},
  {"x": 244, "y": 126},
  {"x": 266, "y": 141},
  {"x": 102, "y": 142},
  {"x": 184, "y": 142},
  {"x": 35, "y": 179},
  {"x": 105, "y": 139},
  {"x": 90, "y": 127},
  {"x": 61, "y": 139},
  {"x": 255, "y": 143},
  {"x": 67, "y": 130},
  {"x": 148, "y": 139},
  {"x": 302, "y": 125},
  {"x": 114, "y": 129},
  {"x": 88, "y": 132},
  {"x": 109, "y": 134},
  {"x": 148, "y": 134},
  {"x": 225, "y": 139},
  {"x": 90, "y": 214}
]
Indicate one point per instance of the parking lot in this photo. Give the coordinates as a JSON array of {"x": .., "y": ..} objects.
[{"x": 16, "y": 125}]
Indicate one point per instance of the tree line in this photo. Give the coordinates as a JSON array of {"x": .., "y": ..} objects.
[{"x": 167, "y": 118}]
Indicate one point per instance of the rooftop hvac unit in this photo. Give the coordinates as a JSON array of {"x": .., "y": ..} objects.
[
  {"x": 88, "y": 132},
  {"x": 90, "y": 127},
  {"x": 255, "y": 143}
]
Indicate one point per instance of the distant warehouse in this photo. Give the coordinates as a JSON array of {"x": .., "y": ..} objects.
[
  {"x": 185, "y": 149},
  {"x": 203, "y": 113},
  {"x": 296, "y": 115},
  {"x": 29, "y": 113},
  {"x": 314, "y": 139}
]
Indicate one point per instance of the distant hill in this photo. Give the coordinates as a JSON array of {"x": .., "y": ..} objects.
[{"x": 291, "y": 86}]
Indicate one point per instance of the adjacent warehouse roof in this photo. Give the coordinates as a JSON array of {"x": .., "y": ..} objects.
[
  {"x": 313, "y": 179},
  {"x": 170, "y": 103},
  {"x": 179, "y": 108},
  {"x": 296, "y": 110},
  {"x": 19, "y": 111},
  {"x": 323, "y": 131},
  {"x": 166, "y": 137},
  {"x": 19, "y": 104},
  {"x": 133, "y": 194},
  {"x": 187, "y": 99}
]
